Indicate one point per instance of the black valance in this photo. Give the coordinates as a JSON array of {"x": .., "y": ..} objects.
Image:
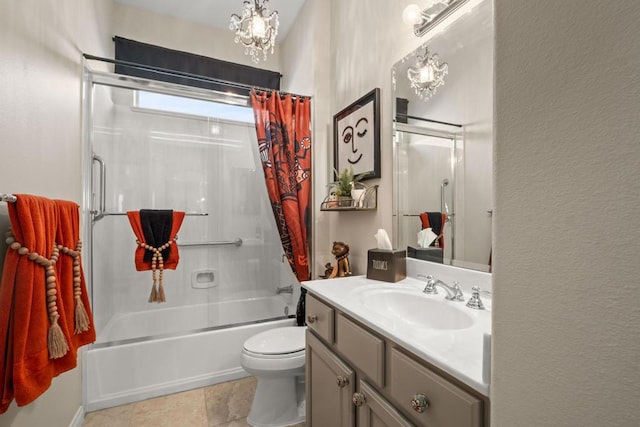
[{"x": 189, "y": 63}]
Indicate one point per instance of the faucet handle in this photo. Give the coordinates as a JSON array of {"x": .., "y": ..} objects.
[
  {"x": 475, "y": 302},
  {"x": 422, "y": 276}
]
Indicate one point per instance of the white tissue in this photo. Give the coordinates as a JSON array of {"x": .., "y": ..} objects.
[
  {"x": 426, "y": 237},
  {"x": 383, "y": 239}
]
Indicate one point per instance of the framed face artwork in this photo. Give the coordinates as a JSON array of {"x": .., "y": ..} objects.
[{"x": 356, "y": 136}]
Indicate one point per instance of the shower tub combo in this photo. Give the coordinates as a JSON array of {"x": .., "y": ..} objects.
[{"x": 156, "y": 145}]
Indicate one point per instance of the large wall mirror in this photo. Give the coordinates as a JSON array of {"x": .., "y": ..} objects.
[{"x": 443, "y": 140}]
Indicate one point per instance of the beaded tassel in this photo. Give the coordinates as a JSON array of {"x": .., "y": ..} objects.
[
  {"x": 81, "y": 317},
  {"x": 161, "y": 296},
  {"x": 157, "y": 270},
  {"x": 154, "y": 293},
  {"x": 56, "y": 341}
]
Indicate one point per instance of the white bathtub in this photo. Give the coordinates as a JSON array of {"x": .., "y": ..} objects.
[{"x": 140, "y": 368}]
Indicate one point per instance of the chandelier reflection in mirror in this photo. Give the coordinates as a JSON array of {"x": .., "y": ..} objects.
[
  {"x": 256, "y": 29},
  {"x": 427, "y": 75}
]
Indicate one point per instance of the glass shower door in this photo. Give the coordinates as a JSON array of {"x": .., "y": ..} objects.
[
  {"x": 429, "y": 158},
  {"x": 205, "y": 165}
]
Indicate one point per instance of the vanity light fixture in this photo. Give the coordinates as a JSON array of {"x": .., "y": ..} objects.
[
  {"x": 256, "y": 29},
  {"x": 427, "y": 75},
  {"x": 436, "y": 12}
]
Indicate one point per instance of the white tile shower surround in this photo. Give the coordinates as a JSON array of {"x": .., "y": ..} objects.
[{"x": 221, "y": 405}]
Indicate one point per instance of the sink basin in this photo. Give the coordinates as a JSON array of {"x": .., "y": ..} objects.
[{"x": 415, "y": 309}]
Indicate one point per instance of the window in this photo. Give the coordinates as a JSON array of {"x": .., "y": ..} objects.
[{"x": 223, "y": 110}]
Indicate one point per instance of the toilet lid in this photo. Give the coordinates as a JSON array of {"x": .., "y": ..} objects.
[{"x": 277, "y": 341}]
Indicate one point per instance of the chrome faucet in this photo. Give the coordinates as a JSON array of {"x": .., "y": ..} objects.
[
  {"x": 285, "y": 290},
  {"x": 454, "y": 293}
]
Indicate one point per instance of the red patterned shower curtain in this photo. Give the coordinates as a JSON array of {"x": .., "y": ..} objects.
[{"x": 283, "y": 125}]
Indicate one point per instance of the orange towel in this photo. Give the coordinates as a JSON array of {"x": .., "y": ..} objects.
[
  {"x": 157, "y": 291},
  {"x": 34, "y": 304}
]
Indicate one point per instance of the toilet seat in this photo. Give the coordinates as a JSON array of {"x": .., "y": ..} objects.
[
  {"x": 277, "y": 342},
  {"x": 283, "y": 356}
]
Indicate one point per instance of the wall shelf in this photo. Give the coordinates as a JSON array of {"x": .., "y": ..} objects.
[{"x": 368, "y": 201}]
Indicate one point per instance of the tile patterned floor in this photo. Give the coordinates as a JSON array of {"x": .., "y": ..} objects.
[{"x": 220, "y": 405}]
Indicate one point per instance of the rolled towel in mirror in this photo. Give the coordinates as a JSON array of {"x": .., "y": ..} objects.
[{"x": 426, "y": 237}]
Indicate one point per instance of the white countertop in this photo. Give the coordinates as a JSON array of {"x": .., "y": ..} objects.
[{"x": 458, "y": 352}]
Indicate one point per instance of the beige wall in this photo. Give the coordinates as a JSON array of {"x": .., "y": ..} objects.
[
  {"x": 41, "y": 42},
  {"x": 566, "y": 342},
  {"x": 367, "y": 37}
]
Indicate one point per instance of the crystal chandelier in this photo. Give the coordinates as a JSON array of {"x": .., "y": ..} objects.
[
  {"x": 427, "y": 75},
  {"x": 256, "y": 29}
]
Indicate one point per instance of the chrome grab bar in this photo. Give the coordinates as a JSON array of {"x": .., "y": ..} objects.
[
  {"x": 102, "y": 202},
  {"x": 237, "y": 242},
  {"x": 124, "y": 213},
  {"x": 443, "y": 203}
]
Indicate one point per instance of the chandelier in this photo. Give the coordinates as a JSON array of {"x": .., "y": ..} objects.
[
  {"x": 427, "y": 75},
  {"x": 256, "y": 29}
]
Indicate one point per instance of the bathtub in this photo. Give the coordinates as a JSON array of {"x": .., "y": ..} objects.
[{"x": 148, "y": 354}]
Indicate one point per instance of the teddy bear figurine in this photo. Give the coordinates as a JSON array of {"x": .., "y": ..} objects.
[{"x": 340, "y": 250}]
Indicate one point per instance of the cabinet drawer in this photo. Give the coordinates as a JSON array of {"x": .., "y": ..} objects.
[
  {"x": 448, "y": 405},
  {"x": 319, "y": 318},
  {"x": 361, "y": 347}
]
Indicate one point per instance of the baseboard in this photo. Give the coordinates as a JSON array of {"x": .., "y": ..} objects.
[{"x": 78, "y": 418}]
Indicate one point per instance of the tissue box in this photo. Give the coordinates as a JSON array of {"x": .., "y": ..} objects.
[{"x": 388, "y": 265}]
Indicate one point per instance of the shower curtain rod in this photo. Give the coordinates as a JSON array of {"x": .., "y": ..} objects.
[
  {"x": 428, "y": 120},
  {"x": 188, "y": 75}
]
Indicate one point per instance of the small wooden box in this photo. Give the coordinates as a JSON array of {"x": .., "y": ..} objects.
[{"x": 387, "y": 265}]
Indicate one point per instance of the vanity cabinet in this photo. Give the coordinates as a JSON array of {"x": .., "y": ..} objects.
[
  {"x": 329, "y": 394},
  {"x": 356, "y": 377}
]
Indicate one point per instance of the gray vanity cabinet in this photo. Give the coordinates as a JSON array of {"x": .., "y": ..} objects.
[
  {"x": 331, "y": 387},
  {"x": 349, "y": 366}
]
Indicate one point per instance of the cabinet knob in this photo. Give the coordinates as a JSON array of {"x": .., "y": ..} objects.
[
  {"x": 358, "y": 399},
  {"x": 419, "y": 402},
  {"x": 312, "y": 318},
  {"x": 342, "y": 381}
]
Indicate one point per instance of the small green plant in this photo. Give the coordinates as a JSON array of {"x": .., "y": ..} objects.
[{"x": 345, "y": 181}]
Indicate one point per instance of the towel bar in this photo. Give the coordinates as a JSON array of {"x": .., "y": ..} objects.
[
  {"x": 237, "y": 242},
  {"x": 124, "y": 213},
  {"x": 9, "y": 198}
]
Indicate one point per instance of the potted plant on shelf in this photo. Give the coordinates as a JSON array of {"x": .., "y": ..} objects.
[{"x": 344, "y": 183}]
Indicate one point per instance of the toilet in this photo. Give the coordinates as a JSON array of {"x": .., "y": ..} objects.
[{"x": 276, "y": 357}]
